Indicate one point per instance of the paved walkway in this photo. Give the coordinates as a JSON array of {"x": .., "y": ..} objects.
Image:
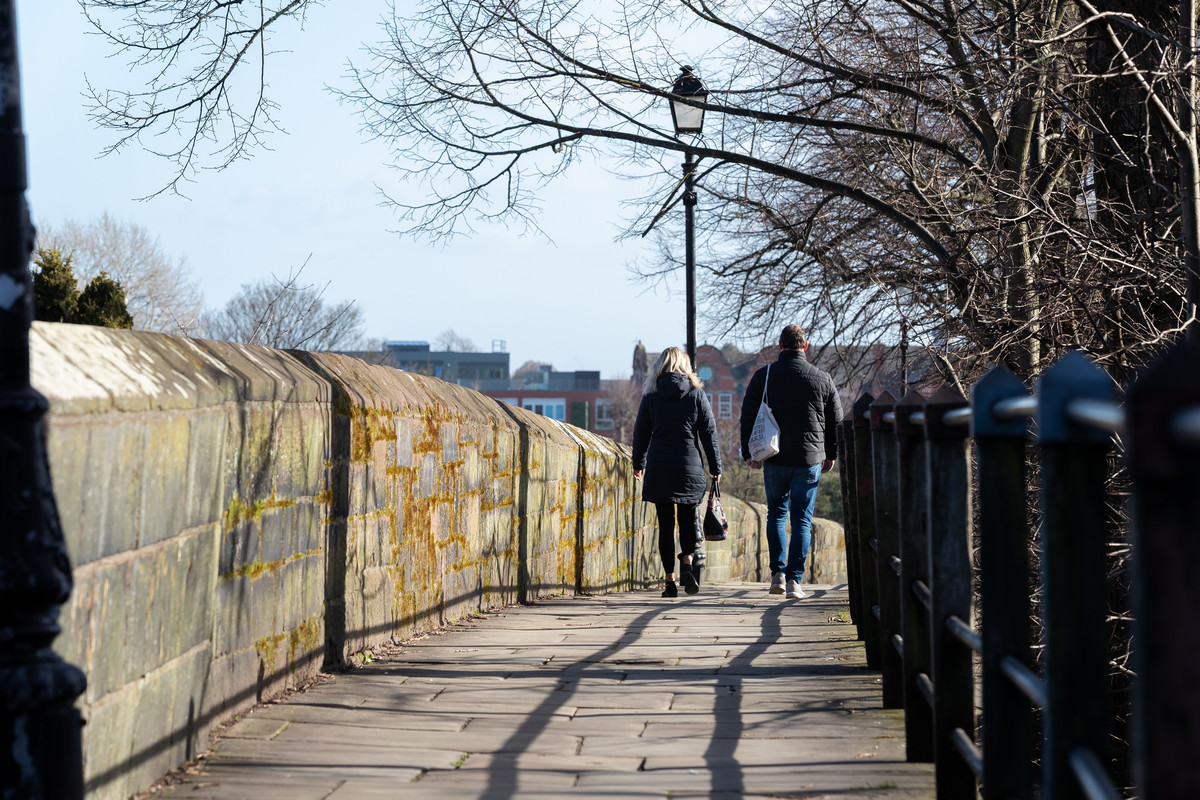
[{"x": 726, "y": 694}]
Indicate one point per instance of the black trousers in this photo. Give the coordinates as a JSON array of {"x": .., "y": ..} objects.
[{"x": 689, "y": 531}]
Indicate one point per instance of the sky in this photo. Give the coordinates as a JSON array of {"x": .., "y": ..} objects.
[{"x": 312, "y": 197}]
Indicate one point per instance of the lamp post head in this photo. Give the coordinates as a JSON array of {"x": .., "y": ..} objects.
[{"x": 688, "y": 97}]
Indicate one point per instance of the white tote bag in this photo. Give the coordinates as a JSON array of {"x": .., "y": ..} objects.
[{"x": 764, "y": 436}]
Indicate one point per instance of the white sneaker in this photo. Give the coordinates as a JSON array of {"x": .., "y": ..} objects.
[
  {"x": 794, "y": 592},
  {"x": 777, "y": 583}
]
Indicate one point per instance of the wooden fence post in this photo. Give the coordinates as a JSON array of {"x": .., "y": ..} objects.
[
  {"x": 948, "y": 466},
  {"x": 1008, "y": 717},
  {"x": 864, "y": 478},
  {"x": 849, "y": 521},
  {"x": 887, "y": 537},
  {"x": 1075, "y": 634},
  {"x": 1166, "y": 551},
  {"x": 914, "y": 572}
]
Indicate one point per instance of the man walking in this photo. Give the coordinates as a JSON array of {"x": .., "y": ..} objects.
[{"x": 806, "y": 406}]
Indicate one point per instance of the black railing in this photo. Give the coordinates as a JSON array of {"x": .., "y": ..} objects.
[{"x": 919, "y": 472}]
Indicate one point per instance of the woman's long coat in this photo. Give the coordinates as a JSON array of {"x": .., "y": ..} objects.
[{"x": 673, "y": 423}]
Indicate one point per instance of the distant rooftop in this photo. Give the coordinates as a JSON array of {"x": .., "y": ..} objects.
[{"x": 412, "y": 347}]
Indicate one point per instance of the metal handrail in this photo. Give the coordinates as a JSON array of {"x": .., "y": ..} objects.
[
  {"x": 958, "y": 416},
  {"x": 1093, "y": 778},
  {"x": 926, "y": 687},
  {"x": 1015, "y": 408},
  {"x": 964, "y": 633},
  {"x": 1186, "y": 426},
  {"x": 1102, "y": 414},
  {"x": 923, "y": 594},
  {"x": 1028, "y": 682},
  {"x": 967, "y": 749}
]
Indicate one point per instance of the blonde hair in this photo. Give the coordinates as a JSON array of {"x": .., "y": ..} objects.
[{"x": 671, "y": 360}]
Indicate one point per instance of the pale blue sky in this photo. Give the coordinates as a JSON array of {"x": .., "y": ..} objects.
[{"x": 571, "y": 303}]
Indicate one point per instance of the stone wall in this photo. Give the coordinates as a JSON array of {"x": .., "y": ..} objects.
[
  {"x": 240, "y": 517},
  {"x": 827, "y": 558}
]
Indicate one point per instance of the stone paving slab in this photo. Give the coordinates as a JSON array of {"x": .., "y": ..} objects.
[{"x": 730, "y": 693}]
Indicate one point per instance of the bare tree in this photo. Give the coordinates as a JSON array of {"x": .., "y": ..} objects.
[
  {"x": 160, "y": 292},
  {"x": 451, "y": 342},
  {"x": 624, "y": 397},
  {"x": 948, "y": 167},
  {"x": 203, "y": 64},
  {"x": 285, "y": 313}
]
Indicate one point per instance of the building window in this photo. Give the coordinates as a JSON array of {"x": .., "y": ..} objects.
[
  {"x": 604, "y": 420},
  {"x": 725, "y": 405},
  {"x": 552, "y": 407}
]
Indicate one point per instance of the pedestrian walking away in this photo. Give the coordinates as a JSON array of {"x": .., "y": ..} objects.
[
  {"x": 807, "y": 409},
  {"x": 673, "y": 434}
]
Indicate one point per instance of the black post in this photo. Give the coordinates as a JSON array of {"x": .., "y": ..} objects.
[
  {"x": 849, "y": 514},
  {"x": 1008, "y": 717},
  {"x": 887, "y": 536},
  {"x": 1074, "y": 568},
  {"x": 1166, "y": 606},
  {"x": 914, "y": 571},
  {"x": 41, "y": 755},
  {"x": 689, "y": 228},
  {"x": 948, "y": 468},
  {"x": 864, "y": 498}
]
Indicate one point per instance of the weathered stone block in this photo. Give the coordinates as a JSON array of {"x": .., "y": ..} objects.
[
  {"x": 164, "y": 485},
  {"x": 164, "y": 614},
  {"x": 299, "y": 440},
  {"x": 404, "y": 442},
  {"x": 274, "y": 535},
  {"x": 93, "y": 622},
  {"x": 70, "y": 473},
  {"x": 827, "y": 558},
  {"x": 231, "y": 610},
  {"x": 239, "y": 546},
  {"x": 360, "y": 498},
  {"x": 309, "y": 525},
  {"x": 264, "y": 601},
  {"x": 112, "y": 492},
  {"x": 108, "y": 742},
  {"x": 206, "y": 454},
  {"x": 235, "y": 683}
]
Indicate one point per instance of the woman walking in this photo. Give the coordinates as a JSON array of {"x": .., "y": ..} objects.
[{"x": 673, "y": 423}]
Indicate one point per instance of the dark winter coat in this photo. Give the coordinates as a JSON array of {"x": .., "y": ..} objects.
[
  {"x": 806, "y": 406},
  {"x": 669, "y": 423}
]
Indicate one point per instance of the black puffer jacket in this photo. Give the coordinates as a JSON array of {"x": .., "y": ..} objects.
[
  {"x": 806, "y": 406},
  {"x": 669, "y": 422}
]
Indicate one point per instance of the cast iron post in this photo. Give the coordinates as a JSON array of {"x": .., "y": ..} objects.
[
  {"x": 40, "y": 742},
  {"x": 689, "y": 229}
]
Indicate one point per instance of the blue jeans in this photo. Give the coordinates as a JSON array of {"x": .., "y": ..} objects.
[{"x": 797, "y": 487}]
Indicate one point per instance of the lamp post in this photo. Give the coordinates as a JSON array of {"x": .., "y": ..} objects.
[
  {"x": 687, "y": 112},
  {"x": 40, "y": 748}
]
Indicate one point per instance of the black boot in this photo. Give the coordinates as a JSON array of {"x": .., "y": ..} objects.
[
  {"x": 671, "y": 591},
  {"x": 687, "y": 578}
]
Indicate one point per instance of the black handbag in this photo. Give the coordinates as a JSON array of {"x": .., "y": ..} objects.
[{"x": 716, "y": 527}]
